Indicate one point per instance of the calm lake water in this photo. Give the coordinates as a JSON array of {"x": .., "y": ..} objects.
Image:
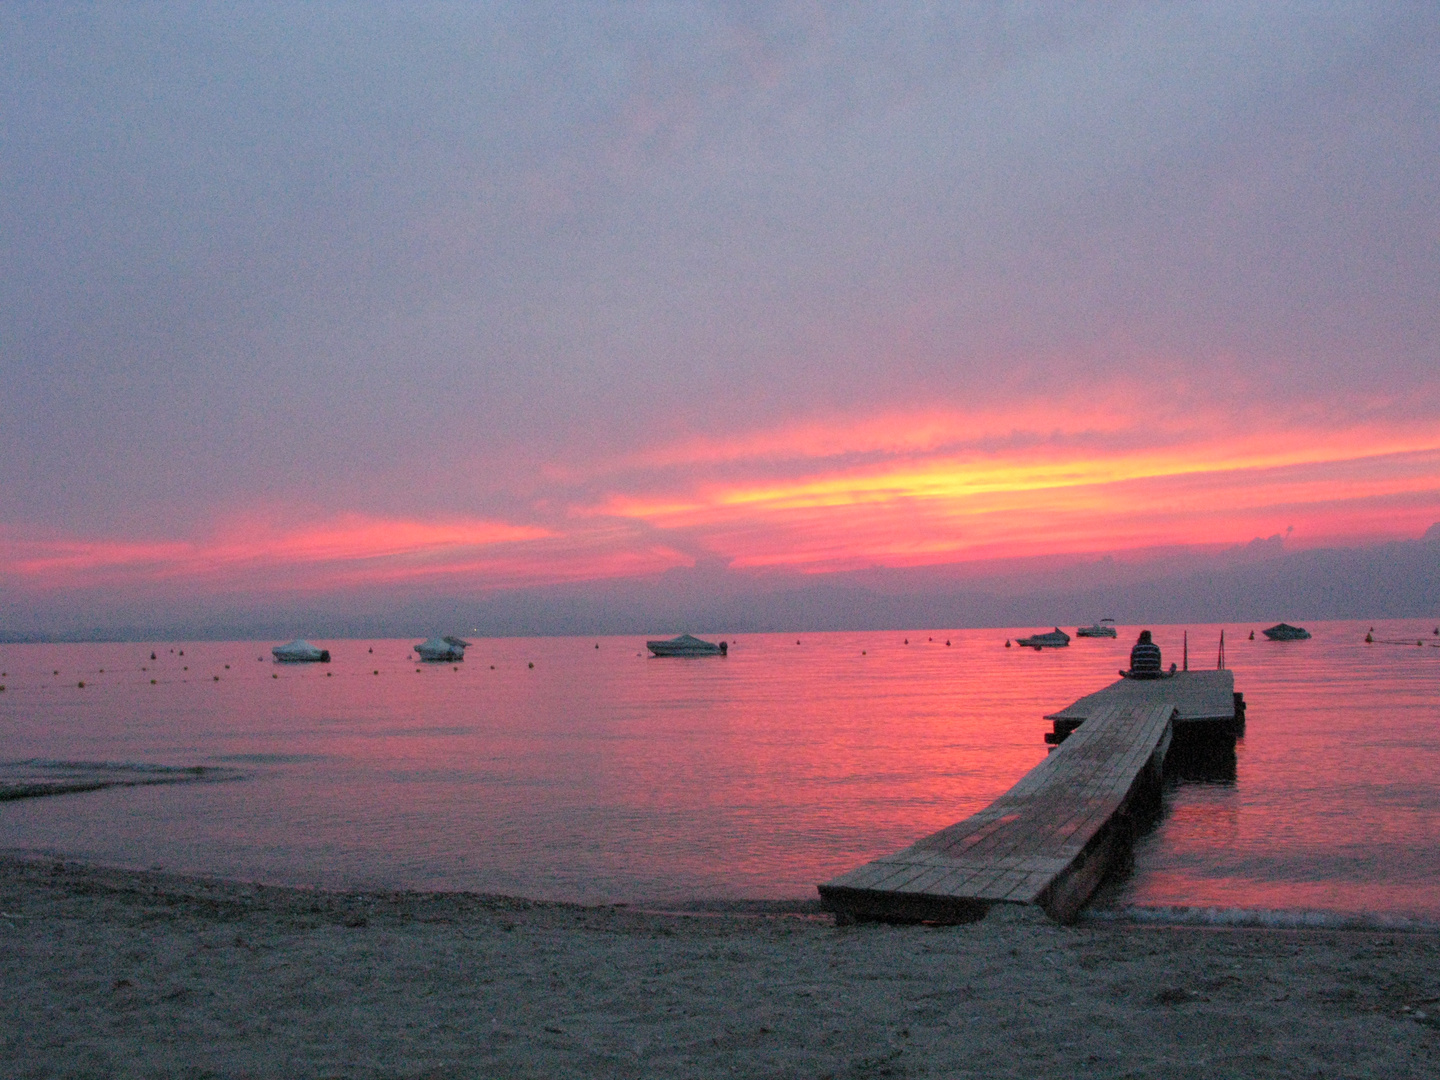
[{"x": 603, "y": 775}]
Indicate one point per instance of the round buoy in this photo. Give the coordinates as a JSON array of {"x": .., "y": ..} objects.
[
  {"x": 947, "y": 642},
  {"x": 1007, "y": 643},
  {"x": 532, "y": 664},
  {"x": 81, "y": 684},
  {"x": 1252, "y": 635},
  {"x": 152, "y": 682}
]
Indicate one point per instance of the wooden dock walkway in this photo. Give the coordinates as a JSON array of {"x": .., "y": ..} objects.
[
  {"x": 1201, "y": 698},
  {"x": 1050, "y": 839}
]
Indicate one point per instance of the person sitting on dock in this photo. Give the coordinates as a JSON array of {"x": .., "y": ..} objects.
[{"x": 1144, "y": 658}]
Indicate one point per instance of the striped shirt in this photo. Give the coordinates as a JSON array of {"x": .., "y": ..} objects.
[{"x": 1145, "y": 660}]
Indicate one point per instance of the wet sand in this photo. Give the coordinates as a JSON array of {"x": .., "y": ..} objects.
[{"x": 121, "y": 973}]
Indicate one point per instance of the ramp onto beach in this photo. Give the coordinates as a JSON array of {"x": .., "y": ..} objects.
[{"x": 1049, "y": 840}]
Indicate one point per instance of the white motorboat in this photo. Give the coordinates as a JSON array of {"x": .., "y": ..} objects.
[
  {"x": 442, "y": 650},
  {"x": 686, "y": 645},
  {"x": 300, "y": 651},
  {"x": 1099, "y": 629}
]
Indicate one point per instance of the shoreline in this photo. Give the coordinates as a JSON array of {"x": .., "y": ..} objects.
[
  {"x": 1175, "y": 916},
  {"x": 132, "y": 972}
]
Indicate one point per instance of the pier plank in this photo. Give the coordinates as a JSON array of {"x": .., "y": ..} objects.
[
  {"x": 1029, "y": 843},
  {"x": 1196, "y": 695}
]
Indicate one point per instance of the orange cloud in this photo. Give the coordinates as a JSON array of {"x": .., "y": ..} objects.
[
  {"x": 889, "y": 490},
  {"x": 1052, "y": 495}
]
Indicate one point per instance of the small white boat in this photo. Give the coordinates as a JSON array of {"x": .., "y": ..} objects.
[
  {"x": 300, "y": 651},
  {"x": 1055, "y": 639},
  {"x": 1286, "y": 632},
  {"x": 686, "y": 645},
  {"x": 442, "y": 650},
  {"x": 1098, "y": 629}
]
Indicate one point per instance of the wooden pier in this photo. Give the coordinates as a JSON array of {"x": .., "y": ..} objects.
[{"x": 1053, "y": 837}]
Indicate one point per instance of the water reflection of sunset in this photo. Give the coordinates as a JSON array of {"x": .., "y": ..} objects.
[{"x": 600, "y": 774}]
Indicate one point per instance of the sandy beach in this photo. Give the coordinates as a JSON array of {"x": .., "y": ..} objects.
[{"x": 123, "y": 973}]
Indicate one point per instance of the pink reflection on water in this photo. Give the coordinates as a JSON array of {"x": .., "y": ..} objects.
[{"x": 600, "y": 774}]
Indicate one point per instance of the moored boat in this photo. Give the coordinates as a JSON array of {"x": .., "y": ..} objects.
[
  {"x": 1286, "y": 632},
  {"x": 1099, "y": 629},
  {"x": 300, "y": 651},
  {"x": 1055, "y": 639},
  {"x": 442, "y": 650},
  {"x": 687, "y": 645}
]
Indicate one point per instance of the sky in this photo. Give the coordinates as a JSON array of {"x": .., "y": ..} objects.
[{"x": 308, "y": 303}]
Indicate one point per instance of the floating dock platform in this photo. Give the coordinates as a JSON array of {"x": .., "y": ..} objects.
[{"x": 1053, "y": 837}]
